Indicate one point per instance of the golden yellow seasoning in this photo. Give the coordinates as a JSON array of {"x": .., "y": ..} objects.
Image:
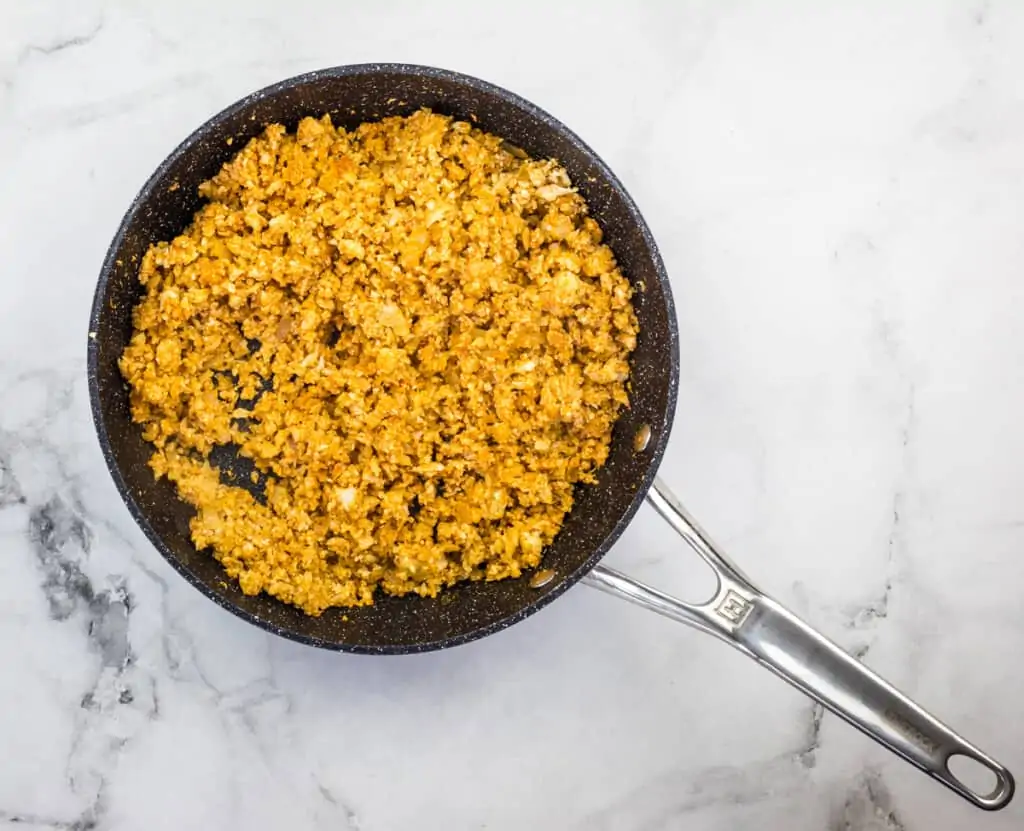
[{"x": 436, "y": 340}]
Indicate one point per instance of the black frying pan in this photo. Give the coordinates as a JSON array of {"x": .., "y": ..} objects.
[{"x": 737, "y": 613}]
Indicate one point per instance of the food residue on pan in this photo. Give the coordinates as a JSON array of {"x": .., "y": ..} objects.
[{"x": 416, "y": 336}]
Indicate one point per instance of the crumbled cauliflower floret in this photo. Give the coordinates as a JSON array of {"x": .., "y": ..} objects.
[{"x": 415, "y": 333}]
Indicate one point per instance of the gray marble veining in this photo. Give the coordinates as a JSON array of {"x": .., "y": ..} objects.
[{"x": 838, "y": 192}]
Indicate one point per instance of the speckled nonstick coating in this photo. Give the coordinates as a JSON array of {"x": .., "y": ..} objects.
[{"x": 354, "y": 94}]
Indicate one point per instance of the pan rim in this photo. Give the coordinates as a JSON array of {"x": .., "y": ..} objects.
[{"x": 655, "y": 450}]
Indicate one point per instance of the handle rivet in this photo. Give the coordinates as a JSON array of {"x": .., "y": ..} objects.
[{"x": 542, "y": 578}]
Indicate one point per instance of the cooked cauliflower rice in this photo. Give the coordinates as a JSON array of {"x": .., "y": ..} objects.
[{"x": 414, "y": 333}]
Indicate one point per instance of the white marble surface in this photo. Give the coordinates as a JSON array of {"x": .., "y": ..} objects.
[{"x": 838, "y": 189}]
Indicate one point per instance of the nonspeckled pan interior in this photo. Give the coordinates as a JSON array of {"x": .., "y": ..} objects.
[{"x": 352, "y": 95}]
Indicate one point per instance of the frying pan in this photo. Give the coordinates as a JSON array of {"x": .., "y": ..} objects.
[{"x": 738, "y": 613}]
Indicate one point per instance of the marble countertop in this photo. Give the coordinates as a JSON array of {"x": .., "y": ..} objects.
[{"x": 838, "y": 191}]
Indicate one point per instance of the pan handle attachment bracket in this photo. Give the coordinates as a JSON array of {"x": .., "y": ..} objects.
[{"x": 761, "y": 628}]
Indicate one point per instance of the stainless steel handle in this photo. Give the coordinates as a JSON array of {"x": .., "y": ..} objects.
[{"x": 761, "y": 628}]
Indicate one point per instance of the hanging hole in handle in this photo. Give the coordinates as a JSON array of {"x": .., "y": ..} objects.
[{"x": 976, "y": 776}]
